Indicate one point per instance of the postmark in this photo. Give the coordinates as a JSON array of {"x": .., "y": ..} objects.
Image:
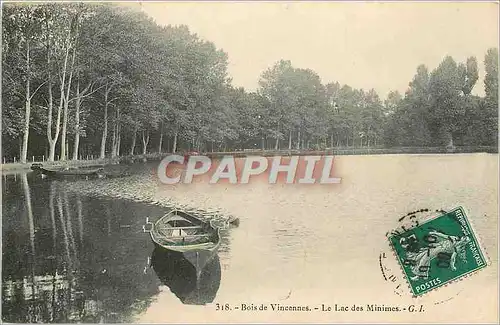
[
  {"x": 438, "y": 251},
  {"x": 390, "y": 269},
  {"x": 389, "y": 266}
]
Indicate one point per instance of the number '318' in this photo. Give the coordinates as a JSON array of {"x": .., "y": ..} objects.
[{"x": 222, "y": 307}]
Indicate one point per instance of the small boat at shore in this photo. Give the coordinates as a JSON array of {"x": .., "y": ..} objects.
[
  {"x": 87, "y": 172},
  {"x": 178, "y": 231}
]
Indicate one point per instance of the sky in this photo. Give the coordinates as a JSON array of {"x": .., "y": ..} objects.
[{"x": 365, "y": 45}]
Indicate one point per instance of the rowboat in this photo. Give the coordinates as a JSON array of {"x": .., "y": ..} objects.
[
  {"x": 177, "y": 273},
  {"x": 180, "y": 232},
  {"x": 92, "y": 172}
]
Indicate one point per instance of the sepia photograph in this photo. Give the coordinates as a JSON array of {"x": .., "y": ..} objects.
[{"x": 216, "y": 162}]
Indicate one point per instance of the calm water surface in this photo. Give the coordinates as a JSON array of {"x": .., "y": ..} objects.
[
  {"x": 71, "y": 258},
  {"x": 68, "y": 257}
]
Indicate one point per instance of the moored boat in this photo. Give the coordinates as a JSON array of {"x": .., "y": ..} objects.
[
  {"x": 178, "y": 231},
  {"x": 87, "y": 172}
]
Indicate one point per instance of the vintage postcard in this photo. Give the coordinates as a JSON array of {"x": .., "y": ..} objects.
[{"x": 250, "y": 162}]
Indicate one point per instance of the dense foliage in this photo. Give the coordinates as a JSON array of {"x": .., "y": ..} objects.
[{"x": 81, "y": 79}]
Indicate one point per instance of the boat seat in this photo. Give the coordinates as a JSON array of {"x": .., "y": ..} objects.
[
  {"x": 181, "y": 228},
  {"x": 181, "y": 236}
]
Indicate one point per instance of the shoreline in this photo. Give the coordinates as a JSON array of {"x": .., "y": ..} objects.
[
  {"x": 14, "y": 167},
  {"x": 142, "y": 188}
]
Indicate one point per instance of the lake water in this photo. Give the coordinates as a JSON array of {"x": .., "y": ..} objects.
[{"x": 69, "y": 256}]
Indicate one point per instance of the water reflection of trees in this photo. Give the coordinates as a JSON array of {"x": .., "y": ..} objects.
[
  {"x": 71, "y": 258},
  {"x": 66, "y": 259},
  {"x": 46, "y": 290}
]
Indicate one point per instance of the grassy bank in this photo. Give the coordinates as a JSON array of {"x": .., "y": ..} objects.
[
  {"x": 17, "y": 166},
  {"x": 14, "y": 167},
  {"x": 357, "y": 151}
]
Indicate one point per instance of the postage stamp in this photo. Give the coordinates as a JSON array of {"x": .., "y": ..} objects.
[{"x": 438, "y": 251}]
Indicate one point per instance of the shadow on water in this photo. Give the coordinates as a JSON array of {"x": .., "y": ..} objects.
[
  {"x": 176, "y": 272},
  {"x": 71, "y": 258}
]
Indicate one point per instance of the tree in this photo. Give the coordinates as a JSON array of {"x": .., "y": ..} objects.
[
  {"x": 491, "y": 96},
  {"x": 105, "y": 74},
  {"x": 491, "y": 77},
  {"x": 275, "y": 87},
  {"x": 59, "y": 37},
  {"x": 446, "y": 87},
  {"x": 21, "y": 30},
  {"x": 296, "y": 97},
  {"x": 392, "y": 102},
  {"x": 471, "y": 75},
  {"x": 408, "y": 118}
]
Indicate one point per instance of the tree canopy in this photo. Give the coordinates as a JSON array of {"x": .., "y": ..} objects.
[{"x": 105, "y": 80}]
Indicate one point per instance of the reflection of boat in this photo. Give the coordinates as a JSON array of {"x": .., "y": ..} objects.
[
  {"x": 95, "y": 172},
  {"x": 182, "y": 278},
  {"x": 181, "y": 232}
]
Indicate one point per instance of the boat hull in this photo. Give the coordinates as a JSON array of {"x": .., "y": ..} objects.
[
  {"x": 198, "y": 254},
  {"x": 198, "y": 257},
  {"x": 96, "y": 172}
]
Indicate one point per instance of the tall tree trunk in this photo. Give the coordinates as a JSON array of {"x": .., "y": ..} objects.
[
  {"x": 450, "y": 140},
  {"x": 174, "y": 146},
  {"x": 66, "y": 108},
  {"x": 298, "y": 140},
  {"x": 76, "y": 142},
  {"x": 79, "y": 98},
  {"x": 52, "y": 150},
  {"x": 198, "y": 143},
  {"x": 64, "y": 131},
  {"x": 114, "y": 138},
  {"x": 132, "y": 147},
  {"x": 161, "y": 138},
  {"x": 290, "y": 140},
  {"x": 119, "y": 140},
  {"x": 145, "y": 141},
  {"x": 105, "y": 129},
  {"x": 24, "y": 150},
  {"x": 276, "y": 145},
  {"x": 118, "y": 133},
  {"x": 118, "y": 143},
  {"x": 113, "y": 141},
  {"x": 53, "y": 140},
  {"x": 331, "y": 140}
]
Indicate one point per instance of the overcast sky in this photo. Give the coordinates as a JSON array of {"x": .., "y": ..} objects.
[{"x": 364, "y": 45}]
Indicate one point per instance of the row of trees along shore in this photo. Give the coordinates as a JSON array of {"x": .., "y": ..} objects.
[{"x": 99, "y": 79}]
